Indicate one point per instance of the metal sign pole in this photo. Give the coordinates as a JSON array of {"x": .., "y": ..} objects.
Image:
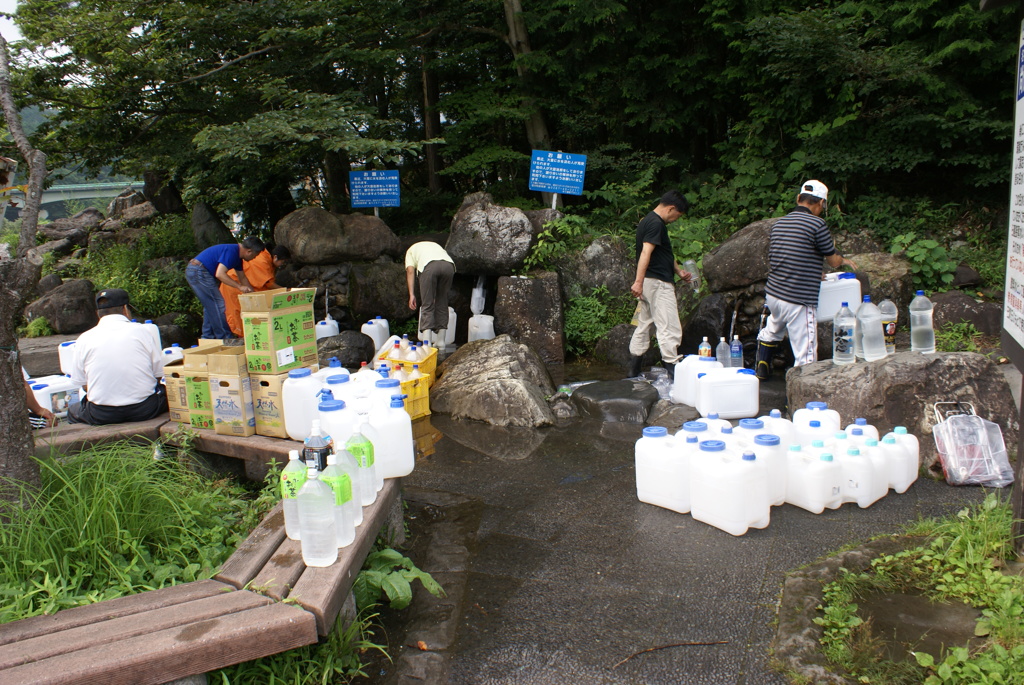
[
  {"x": 554, "y": 200},
  {"x": 376, "y": 212}
]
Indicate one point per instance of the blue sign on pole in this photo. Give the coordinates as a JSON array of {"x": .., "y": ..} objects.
[
  {"x": 557, "y": 172},
  {"x": 374, "y": 189}
]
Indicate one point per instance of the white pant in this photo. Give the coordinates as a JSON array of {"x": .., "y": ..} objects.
[
  {"x": 658, "y": 308},
  {"x": 798, "y": 321}
]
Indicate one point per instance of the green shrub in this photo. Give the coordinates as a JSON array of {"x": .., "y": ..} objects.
[
  {"x": 589, "y": 318},
  {"x": 932, "y": 267},
  {"x": 36, "y": 328}
]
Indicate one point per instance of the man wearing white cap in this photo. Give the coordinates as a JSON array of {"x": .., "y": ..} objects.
[{"x": 796, "y": 246}]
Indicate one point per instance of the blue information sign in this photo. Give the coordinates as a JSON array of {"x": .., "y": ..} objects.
[
  {"x": 374, "y": 189},
  {"x": 557, "y": 172}
]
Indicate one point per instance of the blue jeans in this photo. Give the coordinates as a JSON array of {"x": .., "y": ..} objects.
[{"x": 207, "y": 289}]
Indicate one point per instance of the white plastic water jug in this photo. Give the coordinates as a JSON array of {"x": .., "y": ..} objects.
[
  {"x": 56, "y": 394},
  {"x": 449, "y": 333},
  {"x": 746, "y": 430},
  {"x": 902, "y": 464},
  {"x": 805, "y": 435},
  {"x": 910, "y": 441},
  {"x": 715, "y": 424},
  {"x": 384, "y": 324},
  {"x": 698, "y": 429},
  {"x": 687, "y": 393},
  {"x": 481, "y": 327},
  {"x": 376, "y": 333},
  {"x": 680, "y": 372},
  {"x": 813, "y": 482},
  {"x": 153, "y": 331},
  {"x": 172, "y": 354},
  {"x": 380, "y": 399},
  {"x": 66, "y": 353},
  {"x": 858, "y": 478},
  {"x": 730, "y": 393},
  {"x": 776, "y": 425},
  {"x": 337, "y": 421},
  {"x": 873, "y": 451},
  {"x": 769, "y": 450},
  {"x": 299, "y": 401},
  {"x": 837, "y": 288},
  {"x": 868, "y": 430},
  {"x": 727, "y": 492},
  {"x": 829, "y": 418},
  {"x": 391, "y": 434},
  {"x": 341, "y": 387},
  {"x": 663, "y": 469},
  {"x": 326, "y": 328}
]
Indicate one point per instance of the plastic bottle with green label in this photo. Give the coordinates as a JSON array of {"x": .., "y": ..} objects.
[
  {"x": 341, "y": 485},
  {"x": 360, "y": 447},
  {"x": 347, "y": 463},
  {"x": 293, "y": 477}
]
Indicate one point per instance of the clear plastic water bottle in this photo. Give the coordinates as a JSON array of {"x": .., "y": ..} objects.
[
  {"x": 691, "y": 266},
  {"x": 293, "y": 477},
  {"x": 735, "y": 353},
  {"x": 843, "y": 326},
  {"x": 722, "y": 351},
  {"x": 316, "y": 522},
  {"x": 347, "y": 463},
  {"x": 922, "y": 331},
  {"x": 889, "y": 316},
  {"x": 704, "y": 349},
  {"x": 361, "y": 449},
  {"x": 340, "y": 483},
  {"x": 872, "y": 337}
]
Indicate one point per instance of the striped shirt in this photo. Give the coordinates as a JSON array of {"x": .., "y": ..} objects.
[{"x": 797, "y": 244}]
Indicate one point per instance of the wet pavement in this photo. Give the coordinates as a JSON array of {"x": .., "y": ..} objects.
[{"x": 557, "y": 574}]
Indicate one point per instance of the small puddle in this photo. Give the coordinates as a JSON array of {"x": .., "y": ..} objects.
[{"x": 906, "y": 623}]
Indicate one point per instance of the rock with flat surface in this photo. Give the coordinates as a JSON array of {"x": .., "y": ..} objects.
[
  {"x": 530, "y": 310},
  {"x": 628, "y": 401},
  {"x": 489, "y": 239}
]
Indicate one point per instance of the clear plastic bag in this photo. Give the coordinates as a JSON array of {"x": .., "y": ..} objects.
[{"x": 972, "y": 452}]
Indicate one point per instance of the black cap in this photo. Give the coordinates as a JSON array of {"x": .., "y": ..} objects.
[{"x": 112, "y": 297}]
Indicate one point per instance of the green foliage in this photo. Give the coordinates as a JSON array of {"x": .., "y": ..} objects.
[
  {"x": 36, "y": 328},
  {"x": 589, "y": 318},
  {"x": 10, "y": 235},
  {"x": 560, "y": 237},
  {"x": 929, "y": 260},
  {"x": 960, "y": 562},
  {"x": 389, "y": 572},
  {"x": 112, "y": 521},
  {"x": 957, "y": 337},
  {"x": 339, "y": 656}
]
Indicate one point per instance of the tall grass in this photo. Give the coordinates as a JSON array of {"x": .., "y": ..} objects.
[{"x": 113, "y": 521}]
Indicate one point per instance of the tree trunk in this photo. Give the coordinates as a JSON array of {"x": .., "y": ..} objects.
[
  {"x": 519, "y": 42},
  {"x": 431, "y": 126},
  {"x": 18, "y": 277},
  {"x": 336, "y": 167}
]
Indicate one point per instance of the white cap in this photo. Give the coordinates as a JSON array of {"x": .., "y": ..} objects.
[{"x": 815, "y": 188}]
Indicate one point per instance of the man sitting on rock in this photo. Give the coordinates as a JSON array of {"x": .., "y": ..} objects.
[{"x": 119, "y": 365}]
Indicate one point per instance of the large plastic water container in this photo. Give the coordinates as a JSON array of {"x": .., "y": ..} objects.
[
  {"x": 316, "y": 522},
  {"x": 340, "y": 483},
  {"x": 66, "y": 353},
  {"x": 481, "y": 327},
  {"x": 715, "y": 423},
  {"x": 837, "y": 288},
  {"x": 727, "y": 491},
  {"x": 663, "y": 469},
  {"x": 730, "y": 393},
  {"x": 698, "y": 429},
  {"x": 380, "y": 399},
  {"x": 746, "y": 430},
  {"x": 901, "y": 463},
  {"x": 813, "y": 482},
  {"x": 376, "y": 333},
  {"x": 154, "y": 332},
  {"x": 805, "y": 435},
  {"x": 385, "y": 326},
  {"x": 56, "y": 394},
  {"x": 819, "y": 411},
  {"x": 173, "y": 353},
  {"x": 678, "y": 374},
  {"x": 684, "y": 389},
  {"x": 868, "y": 430},
  {"x": 449, "y": 333},
  {"x": 326, "y": 328},
  {"x": 910, "y": 441},
  {"x": 769, "y": 449},
  {"x": 391, "y": 434},
  {"x": 299, "y": 400},
  {"x": 337, "y": 421},
  {"x": 858, "y": 479},
  {"x": 776, "y": 425},
  {"x": 879, "y": 461}
]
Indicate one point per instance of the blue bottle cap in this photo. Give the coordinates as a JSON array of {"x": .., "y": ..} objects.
[
  {"x": 712, "y": 446},
  {"x": 861, "y": 421},
  {"x": 825, "y": 456},
  {"x": 331, "y": 405},
  {"x": 815, "y": 424},
  {"x": 339, "y": 378},
  {"x": 840, "y": 435},
  {"x": 795, "y": 448},
  {"x": 397, "y": 404},
  {"x": 749, "y": 456},
  {"x": 299, "y": 373},
  {"x": 817, "y": 405},
  {"x": 751, "y": 424},
  {"x": 844, "y": 304},
  {"x": 889, "y": 440},
  {"x": 691, "y": 438},
  {"x": 700, "y": 375},
  {"x": 726, "y": 430},
  {"x": 853, "y": 452},
  {"x": 919, "y": 292},
  {"x": 817, "y": 443},
  {"x": 334, "y": 363},
  {"x": 775, "y": 414},
  {"x": 655, "y": 432},
  {"x": 708, "y": 359},
  {"x": 695, "y": 426},
  {"x": 857, "y": 431},
  {"x": 871, "y": 442},
  {"x": 388, "y": 383},
  {"x": 900, "y": 430},
  {"x": 767, "y": 439},
  {"x": 749, "y": 372},
  {"x": 713, "y": 415},
  {"x": 846, "y": 275}
]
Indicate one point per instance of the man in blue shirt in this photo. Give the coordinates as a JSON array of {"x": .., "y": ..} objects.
[{"x": 209, "y": 269}]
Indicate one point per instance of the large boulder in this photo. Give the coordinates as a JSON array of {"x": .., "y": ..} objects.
[
  {"x": 378, "y": 290},
  {"x": 740, "y": 261},
  {"x": 162, "y": 193},
  {"x": 956, "y": 307},
  {"x": 316, "y": 236},
  {"x": 901, "y": 390},
  {"x": 489, "y": 239},
  {"x": 127, "y": 198},
  {"x": 885, "y": 276},
  {"x": 621, "y": 401},
  {"x": 207, "y": 228},
  {"x": 75, "y": 228},
  {"x": 614, "y": 348},
  {"x": 352, "y": 348},
  {"x": 139, "y": 215},
  {"x": 530, "y": 310},
  {"x": 70, "y": 307},
  {"x": 496, "y": 381},
  {"x": 605, "y": 262}
]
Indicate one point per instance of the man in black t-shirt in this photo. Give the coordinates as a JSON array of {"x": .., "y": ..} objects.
[{"x": 654, "y": 285}]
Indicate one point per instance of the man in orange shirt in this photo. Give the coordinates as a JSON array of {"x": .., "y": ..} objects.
[{"x": 260, "y": 271}]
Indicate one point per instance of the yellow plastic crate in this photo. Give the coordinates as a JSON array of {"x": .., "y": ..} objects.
[
  {"x": 418, "y": 401},
  {"x": 427, "y": 366}
]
